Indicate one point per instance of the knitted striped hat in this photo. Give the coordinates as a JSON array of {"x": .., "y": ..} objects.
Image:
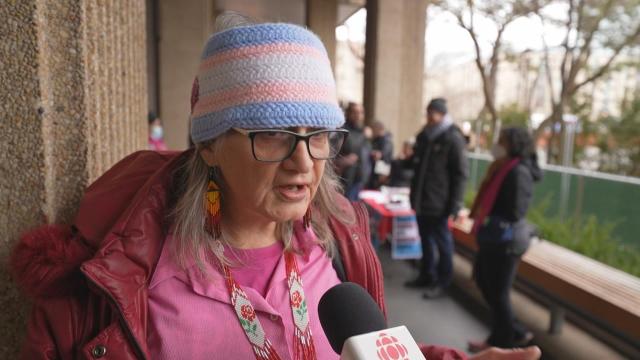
[{"x": 263, "y": 76}]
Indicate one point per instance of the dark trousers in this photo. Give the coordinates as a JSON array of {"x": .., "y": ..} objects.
[
  {"x": 495, "y": 270},
  {"x": 436, "y": 266}
]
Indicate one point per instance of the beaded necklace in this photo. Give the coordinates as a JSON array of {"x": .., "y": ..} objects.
[{"x": 304, "y": 348}]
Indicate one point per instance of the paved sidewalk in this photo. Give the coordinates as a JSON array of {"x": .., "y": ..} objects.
[{"x": 438, "y": 321}]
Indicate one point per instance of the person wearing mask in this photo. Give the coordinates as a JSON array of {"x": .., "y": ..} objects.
[
  {"x": 354, "y": 164},
  {"x": 381, "y": 154},
  {"x": 440, "y": 171},
  {"x": 502, "y": 232},
  {"x": 156, "y": 134},
  {"x": 400, "y": 174}
]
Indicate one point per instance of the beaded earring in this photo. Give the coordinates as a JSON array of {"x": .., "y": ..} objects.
[{"x": 212, "y": 205}]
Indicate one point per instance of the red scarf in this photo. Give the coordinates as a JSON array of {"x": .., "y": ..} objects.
[{"x": 489, "y": 189}]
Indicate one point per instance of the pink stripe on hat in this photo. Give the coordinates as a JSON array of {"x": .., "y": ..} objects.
[
  {"x": 265, "y": 92},
  {"x": 257, "y": 50}
]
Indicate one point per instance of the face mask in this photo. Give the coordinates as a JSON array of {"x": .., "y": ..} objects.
[
  {"x": 498, "y": 151},
  {"x": 156, "y": 132}
]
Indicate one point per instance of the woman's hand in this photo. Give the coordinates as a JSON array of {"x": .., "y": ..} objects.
[{"x": 529, "y": 353}]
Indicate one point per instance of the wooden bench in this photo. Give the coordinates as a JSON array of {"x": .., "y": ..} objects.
[{"x": 604, "y": 294}]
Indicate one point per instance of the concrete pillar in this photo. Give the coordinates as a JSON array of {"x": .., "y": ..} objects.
[
  {"x": 394, "y": 65},
  {"x": 184, "y": 27},
  {"x": 73, "y": 102},
  {"x": 322, "y": 18}
]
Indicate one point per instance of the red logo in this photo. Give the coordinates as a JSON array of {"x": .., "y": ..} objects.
[{"x": 389, "y": 348}]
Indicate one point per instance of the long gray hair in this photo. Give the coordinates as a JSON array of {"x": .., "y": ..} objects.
[{"x": 192, "y": 241}]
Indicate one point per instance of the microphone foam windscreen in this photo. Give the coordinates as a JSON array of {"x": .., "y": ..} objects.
[{"x": 347, "y": 310}]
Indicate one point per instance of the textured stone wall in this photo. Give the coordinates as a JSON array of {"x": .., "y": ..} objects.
[
  {"x": 115, "y": 80},
  {"x": 73, "y": 101},
  {"x": 21, "y": 182}
]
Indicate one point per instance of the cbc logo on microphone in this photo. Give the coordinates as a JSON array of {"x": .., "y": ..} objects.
[{"x": 389, "y": 348}]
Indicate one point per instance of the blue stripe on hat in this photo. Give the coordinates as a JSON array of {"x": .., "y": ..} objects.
[
  {"x": 266, "y": 115},
  {"x": 260, "y": 34}
]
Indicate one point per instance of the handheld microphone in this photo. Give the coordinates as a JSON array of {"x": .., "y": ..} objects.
[{"x": 357, "y": 330}]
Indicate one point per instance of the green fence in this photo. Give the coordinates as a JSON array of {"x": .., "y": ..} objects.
[{"x": 579, "y": 194}]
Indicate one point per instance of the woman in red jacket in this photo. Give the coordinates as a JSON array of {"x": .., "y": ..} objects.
[{"x": 222, "y": 251}]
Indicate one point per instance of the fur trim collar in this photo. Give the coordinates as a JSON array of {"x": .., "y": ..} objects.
[{"x": 46, "y": 261}]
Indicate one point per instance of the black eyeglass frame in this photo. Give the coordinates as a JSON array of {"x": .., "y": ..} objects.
[{"x": 251, "y": 134}]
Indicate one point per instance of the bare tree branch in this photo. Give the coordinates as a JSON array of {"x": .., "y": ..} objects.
[
  {"x": 584, "y": 53},
  {"x": 605, "y": 67},
  {"x": 547, "y": 66},
  {"x": 565, "y": 42},
  {"x": 493, "y": 63},
  {"x": 469, "y": 28},
  {"x": 502, "y": 14}
]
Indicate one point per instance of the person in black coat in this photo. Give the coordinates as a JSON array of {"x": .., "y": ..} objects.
[
  {"x": 354, "y": 163},
  {"x": 502, "y": 232},
  {"x": 440, "y": 171},
  {"x": 381, "y": 150}
]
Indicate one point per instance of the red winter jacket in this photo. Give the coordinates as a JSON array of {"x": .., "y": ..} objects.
[{"x": 89, "y": 281}]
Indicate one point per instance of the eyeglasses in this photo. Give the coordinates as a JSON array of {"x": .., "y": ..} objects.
[{"x": 271, "y": 145}]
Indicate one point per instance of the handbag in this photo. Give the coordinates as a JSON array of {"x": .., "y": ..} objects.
[{"x": 514, "y": 237}]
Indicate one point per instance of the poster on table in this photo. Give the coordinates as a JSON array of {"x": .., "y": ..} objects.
[{"x": 405, "y": 240}]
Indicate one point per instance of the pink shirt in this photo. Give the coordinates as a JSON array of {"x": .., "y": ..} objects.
[
  {"x": 258, "y": 266},
  {"x": 191, "y": 317}
]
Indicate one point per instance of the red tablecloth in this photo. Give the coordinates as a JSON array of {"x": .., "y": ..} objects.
[{"x": 385, "y": 222}]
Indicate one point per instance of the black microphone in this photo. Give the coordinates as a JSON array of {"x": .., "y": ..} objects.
[
  {"x": 357, "y": 329},
  {"x": 348, "y": 310}
]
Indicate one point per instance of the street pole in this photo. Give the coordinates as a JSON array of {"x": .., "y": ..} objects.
[
  {"x": 476, "y": 150},
  {"x": 567, "y": 161}
]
